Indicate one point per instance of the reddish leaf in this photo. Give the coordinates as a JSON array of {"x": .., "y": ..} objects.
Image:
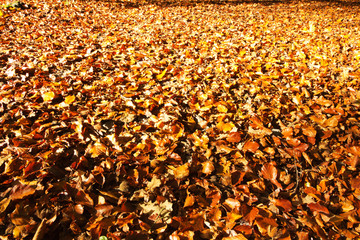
[{"x": 316, "y": 207}]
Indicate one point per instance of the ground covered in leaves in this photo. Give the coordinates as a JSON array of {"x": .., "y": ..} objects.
[{"x": 179, "y": 121}]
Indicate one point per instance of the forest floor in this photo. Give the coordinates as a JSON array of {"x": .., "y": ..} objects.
[{"x": 179, "y": 120}]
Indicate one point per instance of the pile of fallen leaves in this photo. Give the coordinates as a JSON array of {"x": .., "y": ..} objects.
[{"x": 179, "y": 121}]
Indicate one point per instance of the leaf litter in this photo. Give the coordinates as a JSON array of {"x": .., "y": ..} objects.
[{"x": 179, "y": 120}]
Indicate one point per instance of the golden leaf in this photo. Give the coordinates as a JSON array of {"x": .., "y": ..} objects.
[
  {"x": 161, "y": 75},
  {"x": 69, "y": 99},
  {"x": 48, "y": 96},
  {"x": 221, "y": 108}
]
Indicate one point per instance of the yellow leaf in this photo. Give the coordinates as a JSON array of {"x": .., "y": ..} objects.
[
  {"x": 221, "y": 108},
  {"x": 48, "y": 96},
  {"x": 161, "y": 75},
  {"x": 226, "y": 127},
  {"x": 312, "y": 28},
  {"x": 242, "y": 53},
  {"x": 69, "y": 99}
]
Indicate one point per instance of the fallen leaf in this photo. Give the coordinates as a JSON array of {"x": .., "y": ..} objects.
[
  {"x": 316, "y": 207},
  {"x": 182, "y": 171},
  {"x": 69, "y": 99},
  {"x": 21, "y": 191},
  {"x": 251, "y": 146},
  {"x": 48, "y": 96}
]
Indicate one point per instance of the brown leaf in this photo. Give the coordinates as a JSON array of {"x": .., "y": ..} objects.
[
  {"x": 4, "y": 204},
  {"x": 84, "y": 199},
  {"x": 21, "y": 191},
  {"x": 355, "y": 183},
  {"x": 40, "y": 231}
]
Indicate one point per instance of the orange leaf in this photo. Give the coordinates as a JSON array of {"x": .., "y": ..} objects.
[
  {"x": 207, "y": 167},
  {"x": 287, "y": 132},
  {"x": 302, "y": 147},
  {"x": 232, "y": 204},
  {"x": 221, "y": 108},
  {"x": 189, "y": 201},
  {"x": 250, "y": 217},
  {"x": 332, "y": 122},
  {"x": 354, "y": 150},
  {"x": 182, "y": 171},
  {"x": 269, "y": 171},
  {"x": 309, "y": 131},
  {"x": 293, "y": 141},
  {"x": 225, "y": 127},
  {"x": 251, "y": 147},
  {"x": 284, "y": 204},
  {"x": 4, "y": 204},
  {"x": 97, "y": 149},
  {"x": 239, "y": 236},
  {"x": 234, "y": 137}
]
